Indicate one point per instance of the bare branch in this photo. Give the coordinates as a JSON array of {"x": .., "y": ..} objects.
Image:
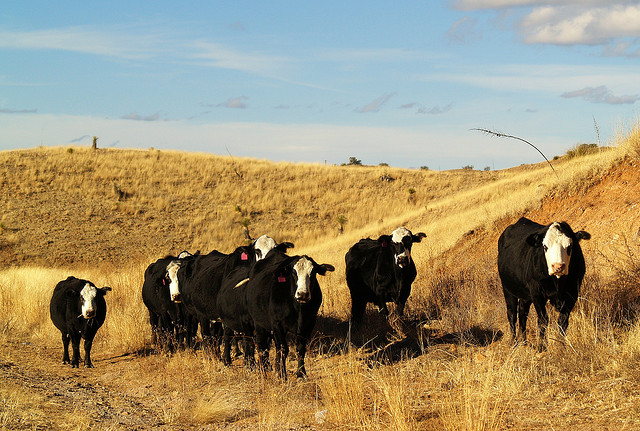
[{"x": 504, "y": 135}]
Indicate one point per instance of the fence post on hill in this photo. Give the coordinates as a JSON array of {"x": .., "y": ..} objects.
[{"x": 94, "y": 145}]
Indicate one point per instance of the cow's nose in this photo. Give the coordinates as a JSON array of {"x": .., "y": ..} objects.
[
  {"x": 89, "y": 314},
  {"x": 176, "y": 297},
  {"x": 557, "y": 268},
  {"x": 302, "y": 297}
]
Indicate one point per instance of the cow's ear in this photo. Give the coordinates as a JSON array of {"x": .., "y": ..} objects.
[
  {"x": 104, "y": 290},
  {"x": 581, "y": 234},
  {"x": 323, "y": 268},
  {"x": 418, "y": 237},
  {"x": 284, "y": 246},
  {"x": 535, "y": 240},
  {"x": 384, "y": 240}
]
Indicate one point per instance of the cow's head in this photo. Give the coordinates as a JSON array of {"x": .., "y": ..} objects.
[
  {"x": 557, "y": 243},
  {"x": 401, "y": 241},
  {"x": 88, "y": 296},
  {"x": 265, "y": 244},
  {"x": 172, "y": 276},
  {"x": 303, "y": 274}
]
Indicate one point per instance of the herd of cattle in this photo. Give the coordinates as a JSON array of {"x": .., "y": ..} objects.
[{"x": 259, "y": 293}]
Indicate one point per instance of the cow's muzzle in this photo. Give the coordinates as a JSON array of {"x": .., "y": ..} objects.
[
  {"x": 89, "y": 314},
  {"x": 303, "y": 297},
  {"x": 176, "y": 298},
  {"x": 558, "y": 269}
]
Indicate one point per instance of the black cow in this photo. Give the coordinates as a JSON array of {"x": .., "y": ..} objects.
[
  {"x": 283, "y": 295},
  {"x": 196, "y": 282},
  {"x": 78, "y": 310},
  {"x": 381, "y": 271},
  {"x": 166, "y": 317},
  {"x": 231, "y": 303},
  {"x": 537, "y": 264}
]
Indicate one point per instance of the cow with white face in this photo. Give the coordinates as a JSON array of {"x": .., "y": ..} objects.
[
  {"x": 166, "y": 317},
  {"x": 196, "y": 283},
  {"x": 78, "y": 310},
  {"x": 536, "y": 264},
  {"x": 381, "y": 271},
  {"x": 283, "y": 295}
]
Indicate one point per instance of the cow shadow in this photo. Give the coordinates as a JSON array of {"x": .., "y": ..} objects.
[{"x": 394, "y": 339}]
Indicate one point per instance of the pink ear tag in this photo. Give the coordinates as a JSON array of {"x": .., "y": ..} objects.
[
  {"x": 244, "y": 256},
  {"x": 282, "y": 279},
  {"x": 164, "y": 281}
]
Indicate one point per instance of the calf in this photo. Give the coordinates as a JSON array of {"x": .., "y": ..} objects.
[
  {"x": 283, "y": 295},
  {"x": 78, "y": 310},
  {"x": 537, "y": 264},
  {"x": 381, "y": 271}
]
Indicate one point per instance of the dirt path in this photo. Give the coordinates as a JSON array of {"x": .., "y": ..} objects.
[{"x": 60, "y": 397}]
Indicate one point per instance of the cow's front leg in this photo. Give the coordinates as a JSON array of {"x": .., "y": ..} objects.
[
  {"x": 65, "y": 347},
  {"x": 88, "y": 342},
  {"x": 75, "y": 347},
  {"x": 543, "y": 322},
  {"x": 523, "y": 312}
]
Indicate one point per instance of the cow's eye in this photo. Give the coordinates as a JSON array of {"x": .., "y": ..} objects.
[{"x": 545, "y": 248}]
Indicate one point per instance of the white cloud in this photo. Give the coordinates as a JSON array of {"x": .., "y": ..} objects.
[{"x": 570, "y": 22}]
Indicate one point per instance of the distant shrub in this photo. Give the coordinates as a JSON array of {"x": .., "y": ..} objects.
[
  {"x": 424, "y": 168},
  {"x": 384, "y": 164},
  {"x": 353, "y": 161},
  {"x": 468, "y": 168},
  {"x": 70, "y": 150},
  {"x": 582, "y": 150},
  {"x": 487, "y": 168}
]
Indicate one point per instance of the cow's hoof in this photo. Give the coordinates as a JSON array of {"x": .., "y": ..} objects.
[
  {"x": 89, "y": 365},
  {"x": 74, "y": 365}
]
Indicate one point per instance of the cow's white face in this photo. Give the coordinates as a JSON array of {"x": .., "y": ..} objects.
[
  {"x": 88, "y": 299},
  {"x": 303, "y": 269},
  {"x": 264, "y": 245},
  {"x": 184, "y": 254},
  {"x": 402, "y": 239},
  {"x": 557, "y": 250},
  {"x": 174, "y": 288}
]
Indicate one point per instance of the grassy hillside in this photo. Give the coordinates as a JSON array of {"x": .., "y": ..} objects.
[{"x": 447, "y": 365}]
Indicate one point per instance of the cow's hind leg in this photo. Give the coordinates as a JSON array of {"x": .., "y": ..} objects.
[{"x": 262, "y": 344}]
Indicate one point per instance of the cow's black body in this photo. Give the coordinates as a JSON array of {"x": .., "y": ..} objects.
[
  {"x": 167, "y": 318},
  {"x": 273, "y": 309},
  {"x": 201, "y": 279},
  {"x": 525, "y": 277},
  {"x": 374, "y": 274},
  {"x": 66, "y": 315}
]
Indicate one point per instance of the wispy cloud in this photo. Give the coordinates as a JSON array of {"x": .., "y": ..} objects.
[
  {"x": 376, "y": 104},
  {"x": 427, "y": 110},
  {"x": 137, "y": 117},
  {"x": 464, "y": 30},
  {"x": 601, "y": 95},
  {"x": 18, "y": 111},
  {"x": 80, "y": 139},
  {"x": 235, "y": 103}
]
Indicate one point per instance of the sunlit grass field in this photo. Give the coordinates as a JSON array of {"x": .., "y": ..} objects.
[{"x": 463, "y": 372}]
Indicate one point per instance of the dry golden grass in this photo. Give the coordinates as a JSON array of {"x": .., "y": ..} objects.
[{"x": 466, "y": 376}]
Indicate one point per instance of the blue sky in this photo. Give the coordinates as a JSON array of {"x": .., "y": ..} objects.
[{"x": 395, "y": 82}]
